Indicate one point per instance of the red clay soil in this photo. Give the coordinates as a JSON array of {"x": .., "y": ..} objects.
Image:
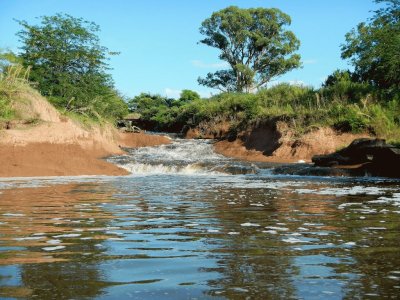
[
  {"x": 266, "y": 145},
  {"x": 237, "y": 149},
  {"x": 45, "y": 159},
  {"x": 51, "y": 159}
]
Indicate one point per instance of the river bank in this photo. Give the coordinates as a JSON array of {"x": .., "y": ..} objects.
[
  {"x": 273, "y": 141},
  {"x": 67, "y": 159},
  {"x": 56, "y": 145}
]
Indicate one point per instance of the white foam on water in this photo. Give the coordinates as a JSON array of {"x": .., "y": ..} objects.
[
  {"x": 155, "y": 219},
  {"x": 53, "y": 242},
  {"x": 248, "y": 224},
  {"x": 350, "y": 243},
  {"x": 29, "y": 238},
  {"x": 394, "y": 200},
  {"x": 295, "y": 234},
  {"x": 161, "y": 169},
  {"x": 375, "y": 228},
  {"x": 303, "y": 229},
  {"x": 13, "y": 215},
  {"x": 292, "y": 240},
  {"x": 394, "y": 277},
  {"x": 277, "y": 228},
  {"x": 53, "y": 248},
  {"x": 257, "y": 204},
  {"x": 344, "y": 191},
  {"x": 68, "y": 235}
]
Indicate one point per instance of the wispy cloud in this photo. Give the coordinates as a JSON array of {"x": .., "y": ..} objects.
[
  {"x": 311, "y": 61},
  {"x": 172, "y": 93},
  {"x": 291, "y": 82},
  {"x": 203, "y": 65}
]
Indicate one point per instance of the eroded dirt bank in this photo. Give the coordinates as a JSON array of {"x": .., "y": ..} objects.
[
  {"x": 273, "y": 141},
  {"x": 58, "y": 146}
]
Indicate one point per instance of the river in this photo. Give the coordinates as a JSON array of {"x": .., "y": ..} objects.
[{"x": 191, "y": 224}]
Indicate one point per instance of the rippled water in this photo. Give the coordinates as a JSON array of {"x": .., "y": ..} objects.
[{"x": 190, "y": 224}]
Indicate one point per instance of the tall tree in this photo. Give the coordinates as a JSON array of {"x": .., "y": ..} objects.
[
  {"x": 374, "y": 47},
  {"x": 68, "y": 62},
  {"x": 254, "y": 42}
]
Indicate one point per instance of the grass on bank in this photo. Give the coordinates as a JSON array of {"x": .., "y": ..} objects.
[
  {"x": 102, "y": 109},
  {"x": 346, "y": 106},
  {"x": 14, "y": 81}
]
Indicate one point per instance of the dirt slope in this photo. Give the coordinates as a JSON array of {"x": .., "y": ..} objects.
[
  {"x": 42, "y": 142},
  {"x": 273, "y": 141}
]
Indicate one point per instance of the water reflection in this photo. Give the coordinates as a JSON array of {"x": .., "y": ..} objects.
[
  {"x": 180, "y": 237},
  {"x": 52, "y": 233}
]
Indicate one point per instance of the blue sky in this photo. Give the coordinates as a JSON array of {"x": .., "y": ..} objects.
[{"x": 158, "y": 39}]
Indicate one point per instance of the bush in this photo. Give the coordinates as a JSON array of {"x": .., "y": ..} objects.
[{"x": 345, "y": 105}]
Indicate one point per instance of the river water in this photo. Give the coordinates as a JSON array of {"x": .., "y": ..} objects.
[{"x": 191, "y": 224}]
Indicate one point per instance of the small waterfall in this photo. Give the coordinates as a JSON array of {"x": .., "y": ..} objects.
[{"x": 186, "y": 157}]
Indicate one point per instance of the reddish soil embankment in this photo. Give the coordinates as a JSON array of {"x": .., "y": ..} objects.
[
  {"x": 274, "y": 141},
  {"x": 59, "y": 146},
  {"x": 71, "y": 159}
]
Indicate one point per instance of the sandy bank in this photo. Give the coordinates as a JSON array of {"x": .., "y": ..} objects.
[
  {"x": 67, "y": 159},
  {"x": 58, "y": 146}
]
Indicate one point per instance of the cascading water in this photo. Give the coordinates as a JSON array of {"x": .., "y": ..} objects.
[{"x": 186, "y": 157}]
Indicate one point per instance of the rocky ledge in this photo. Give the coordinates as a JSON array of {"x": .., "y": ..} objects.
[{"x": 372, "y": 157}]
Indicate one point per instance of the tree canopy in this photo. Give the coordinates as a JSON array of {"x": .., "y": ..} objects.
[
  {"x": 255, "y": 44},
  {"x": 374, "y": 47},
  {"x": 69, "y": 64},
  {"x": 188, "y": 95}
]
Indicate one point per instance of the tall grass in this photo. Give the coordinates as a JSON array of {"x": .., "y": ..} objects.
[
  {"x": 14, "y": 79},
  {"x": 346, "y": 106}
]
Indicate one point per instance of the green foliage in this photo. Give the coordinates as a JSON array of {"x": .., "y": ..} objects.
[
  {"x": 374, "y": 47},
  {"x": 349, "y": 118},
  {"x": 286, "y": 94},
  {"x": 342, "y": 104},
  {"x": 69, "y": 65},
  {"x": 13, "y": 79},
  {"x": 188, "y": 95},
  {"x": 255, "y": 44},
  {"x": 338, "y": 76}
]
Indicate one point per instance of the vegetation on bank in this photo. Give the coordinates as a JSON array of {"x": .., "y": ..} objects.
[
  {"x": 63, "y": 59},
  {"x": 345, "y": 105}
]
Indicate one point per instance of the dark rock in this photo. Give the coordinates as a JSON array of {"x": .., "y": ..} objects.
[
  {"x": 375, "y": 157},
  {"x": 309, "y": 170}
]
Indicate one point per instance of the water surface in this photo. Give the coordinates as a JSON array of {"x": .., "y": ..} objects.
[{"x": 190, "y": 224}]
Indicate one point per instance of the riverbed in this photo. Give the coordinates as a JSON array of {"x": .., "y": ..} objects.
[{"x": 191, "y": 224}]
